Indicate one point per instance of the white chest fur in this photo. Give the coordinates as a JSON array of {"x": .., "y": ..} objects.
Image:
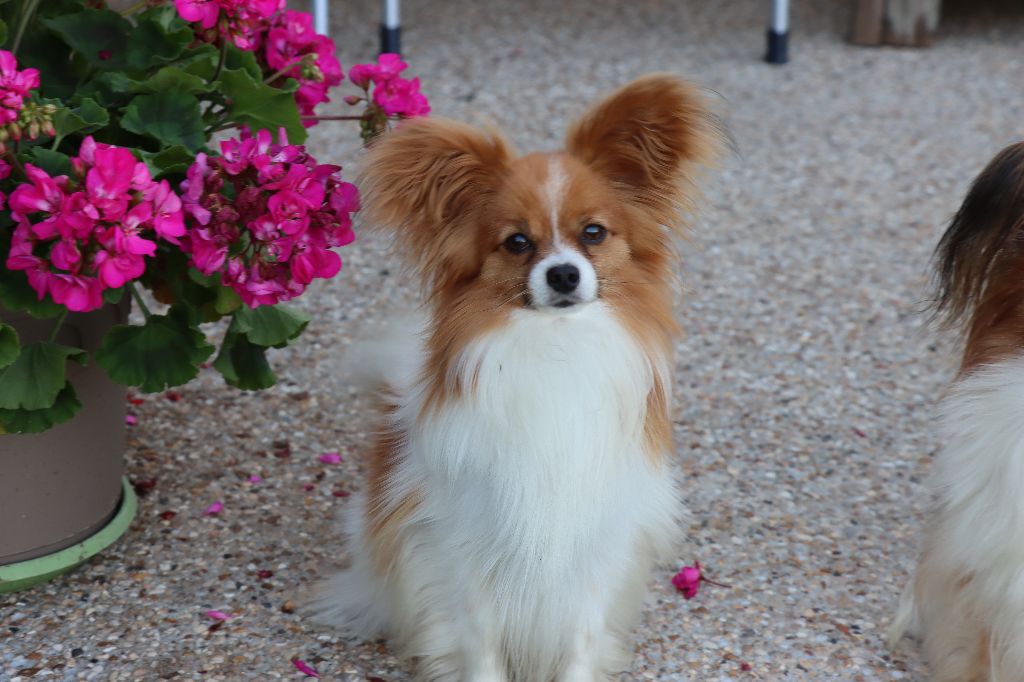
[{"x": 537, "y": 495}]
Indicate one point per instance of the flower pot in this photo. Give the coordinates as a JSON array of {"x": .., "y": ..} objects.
[{"x": 62, "y": 487}]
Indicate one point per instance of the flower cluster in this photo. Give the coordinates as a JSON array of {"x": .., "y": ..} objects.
[
  {"x": 77, "y": 236},
  {"x": 293, "y": 49},
  {"x": 394, "y": 95},
  {"x": 264, "y": 216},
  {"x": 14, "y": 87},
  {"x": 242, "y": 21}
]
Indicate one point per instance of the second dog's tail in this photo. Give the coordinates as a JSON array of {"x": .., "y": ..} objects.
[
  {"x": 978, "y": 260},
  {"x": 385, "y": 355}
]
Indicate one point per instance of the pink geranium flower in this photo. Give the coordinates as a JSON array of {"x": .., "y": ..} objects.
[
  {"x": 203, "y": 12},
  {"x": 243, "y": 22},
  {"x": 294, "y": 50},
  {"x": 14, "y": 86},
  {"x": 392, "y": 95},
  {"x": 285, "y": 208},
  {"x": 78, "y": 236}
]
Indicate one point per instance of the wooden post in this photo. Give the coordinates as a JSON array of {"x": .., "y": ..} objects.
[
  {"x": 903, "y": 23},
  {"x": 868, "y": 19},
  {"x": 911, "y": 23}
]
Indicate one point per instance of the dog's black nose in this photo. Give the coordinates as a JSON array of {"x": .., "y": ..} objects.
[{"x": 564, "y": 278}]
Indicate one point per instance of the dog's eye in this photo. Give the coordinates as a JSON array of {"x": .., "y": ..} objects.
[
  {"x": 518, "y": 243},
  {"x": 593, "y": 234}
]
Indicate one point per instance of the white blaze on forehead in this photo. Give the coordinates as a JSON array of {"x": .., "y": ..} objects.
[{"x": 554, "y": 191}]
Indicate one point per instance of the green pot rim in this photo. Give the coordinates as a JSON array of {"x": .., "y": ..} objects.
[{"x": 25, "y": 574}]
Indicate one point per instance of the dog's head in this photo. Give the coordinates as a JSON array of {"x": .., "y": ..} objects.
[{"x": 490, "y": 231}]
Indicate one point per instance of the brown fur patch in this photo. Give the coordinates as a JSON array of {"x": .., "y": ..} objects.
[{"x": 384, "y": 521}]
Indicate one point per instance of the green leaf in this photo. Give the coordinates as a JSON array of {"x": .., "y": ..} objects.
[
  {"x": 166, "y": 351},
  {"x": 236, "y": 58},
  {"x": 3, "y": 33},
  {"x": 228, "y": 300},
  {"x": 243, "y": 364},
  {"x": 169, "y": 160},
  {"x": 100, "y": 36},
  {"x": 113, "y": 296},
  {"x": 87, "y": 117},
  {"x": 260, "y": 106},
  {"x": 173, "y": 78},
  {"x": 34, "y": 379},
  {"x": 200, "y": 61},
  {"x": 43, "y": 50},
  {"x": 16, "y": 295},
  {"x": 33, "y": 421},
  {"x": 170, "y": 117},
  {"x": 10, "y": 347},
  {"x": 111, "y": 89},
  {"x": 270, "y": 325},
  {"x": 50, "y": 161},
  {"x": 164, "y": 16},
  {"x": 151, "y": 43},
  {"x": 204, "y": 280}
]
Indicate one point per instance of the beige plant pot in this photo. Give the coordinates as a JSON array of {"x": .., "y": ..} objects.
[{"x": 63, "y": 485}]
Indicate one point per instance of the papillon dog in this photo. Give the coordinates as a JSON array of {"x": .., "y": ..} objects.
[
  {"x": 520, "y": 490},
  {"x": 966, "y": 602}
]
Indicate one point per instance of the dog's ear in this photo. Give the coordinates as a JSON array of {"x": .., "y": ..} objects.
[
  {"x": 648, "y": 139},
  {"x": 427, "y": 181}
]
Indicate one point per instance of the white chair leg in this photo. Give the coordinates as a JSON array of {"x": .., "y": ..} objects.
[
  {"x": 390, "y": 27},
  {"x": 778, "y": 33},
  {"x": 321, "y": 23}
]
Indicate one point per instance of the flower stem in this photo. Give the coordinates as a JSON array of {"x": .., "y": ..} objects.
[
  {"x": 138, "y": 299},
  {"x": 223, "y": 57},
  {"x": 60, "y": 323},
  {"x": 712, "y": 582},
  {"x": 282, "y": 71},
  {"x": 333, "y": 118},
  {"x": 13, "y": 158},
  {"x": 134, "y": 8},
  {"x": 27, "y": 12}
]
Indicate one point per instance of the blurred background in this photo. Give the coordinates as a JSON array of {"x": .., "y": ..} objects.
[{"x": 805, "y": 388}]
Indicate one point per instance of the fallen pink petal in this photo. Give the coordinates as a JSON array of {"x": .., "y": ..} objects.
[
  {"x": 689, "y": 578},
  {"x": 304, "y": 668},
  {"x": 215, "y": 508},
  {"x": 218, "y": 615},
  {"x": 130, "y": 420},
  {"x": 331, "y": 458},
  {"x": 309, "y": 486},
  {"x": 255, "y": 478}
]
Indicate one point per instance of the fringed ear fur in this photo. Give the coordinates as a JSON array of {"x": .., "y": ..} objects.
[
  {"x": 427, "y": 181},
  {"x": 648, "y": 139},
  {"x": 987, "y": 233}
]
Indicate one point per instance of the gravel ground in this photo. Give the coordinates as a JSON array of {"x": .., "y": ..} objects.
[{"x": 805, "y": 387}]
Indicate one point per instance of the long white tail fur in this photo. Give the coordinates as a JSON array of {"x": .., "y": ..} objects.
[{"x": 969, "y": 588}]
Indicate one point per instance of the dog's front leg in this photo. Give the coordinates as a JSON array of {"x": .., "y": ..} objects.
[
  {"x": 480, "y": 647},
  {"x": 590, "y": 648}
]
